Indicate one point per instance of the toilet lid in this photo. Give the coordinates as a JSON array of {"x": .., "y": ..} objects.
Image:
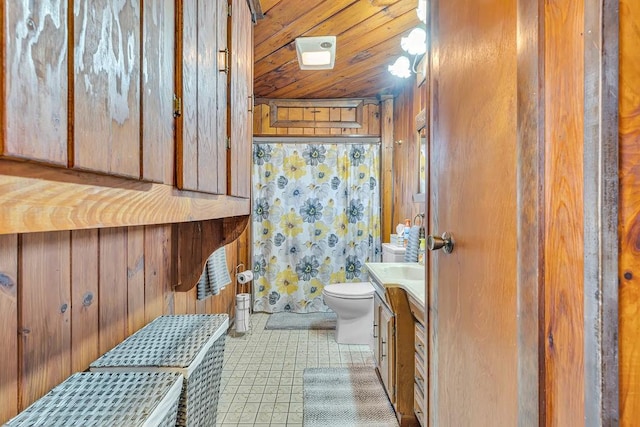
[{"x": 350, "y": 290}]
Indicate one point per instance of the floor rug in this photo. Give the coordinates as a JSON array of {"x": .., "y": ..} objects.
[
  {"x": 290, "y": 321},
  {"x": 345, "y": 397}
]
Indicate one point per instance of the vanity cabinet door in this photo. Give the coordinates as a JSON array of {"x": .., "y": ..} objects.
[
  {"x": 387, "y": 345},
  {"x": 377, "y": 304}
]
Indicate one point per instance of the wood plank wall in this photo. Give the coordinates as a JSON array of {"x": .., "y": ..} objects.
[
  {"x": 407, "y": 104},
  {"x": 67, "y": 297},
  {"x": 563, "y": 240},
  {"x": 629, "y": 212},
  {"x": 313, "y": 119}
]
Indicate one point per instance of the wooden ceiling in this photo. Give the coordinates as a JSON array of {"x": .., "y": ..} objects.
[{"x": 368, "y": 40}]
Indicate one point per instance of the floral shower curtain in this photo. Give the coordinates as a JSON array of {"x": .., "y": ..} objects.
[{"x": 316, "y": 220}]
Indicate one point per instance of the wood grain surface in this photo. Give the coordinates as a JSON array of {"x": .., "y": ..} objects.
[
  {"x": 157, "y": 83},
  {"x": 187, "y": 90},
  {"x": 45, "y": 313},
  {"x": 367, "y": 40},
  {"x": 159, "y": 273},
  {"x": 47, "y": 199},
  {"x": 85, "y": 315},
  {"x": 34, "y": 68},
  {"x": 563, "y": 200},
  {"x": 135, "y": 279},
  {"x": 310, "y": 117},
  {"x": 113, "y": 281},
  {"x": 472, "y": 302},
  {"x": 112, "y": 285},
  {"x": 9, "y": 325},
  {"x": 629, "y": 211},
  {"x": 106, "y": 86},
  {"x": 241, "y": 98}
]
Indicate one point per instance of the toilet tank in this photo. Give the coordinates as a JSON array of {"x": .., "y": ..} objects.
[{"x": 392, "y": 253}]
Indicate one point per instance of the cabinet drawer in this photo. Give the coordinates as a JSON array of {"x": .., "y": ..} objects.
[
  {"x": 418, "y": 402},
  {"x": 417, "y": 310},
  {"x": 420, "y": 346}
]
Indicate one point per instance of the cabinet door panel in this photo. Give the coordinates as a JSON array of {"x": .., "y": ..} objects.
[
  {"x": 107, "y": 86},
  {"x": 387, "y": 344},
  {"x": 207, "y": 98},
  {"x": 376, "y": 330},
  {"x": 158, "y": 34},
  {"x": 201, "y": 146},
  {"x": 35, "y": 75},
  {"x": 187, "y": 148},
  {"x": 241, "y": 99},
  {"x": 222, "y": 71}
]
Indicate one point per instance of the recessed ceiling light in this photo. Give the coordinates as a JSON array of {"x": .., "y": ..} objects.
[{"x": 316, "y": 53}]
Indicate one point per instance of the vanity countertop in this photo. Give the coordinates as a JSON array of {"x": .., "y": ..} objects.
[{"x": 409, "y": 276}]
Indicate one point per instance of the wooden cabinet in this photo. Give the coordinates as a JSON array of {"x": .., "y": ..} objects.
[
  {"x": 241, "y": 99},
  {"x": 420, "y": 357},
  {"x": 201, "y": 85},
  {"x": 384, "y": 345}
]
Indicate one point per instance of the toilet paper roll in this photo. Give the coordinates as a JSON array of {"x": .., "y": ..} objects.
[{"x": 245, "y": 277}]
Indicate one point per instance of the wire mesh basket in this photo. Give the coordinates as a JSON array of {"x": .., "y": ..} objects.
[
  {"x": 191, "y": 344},
  {"x": 107, "y": 399}
]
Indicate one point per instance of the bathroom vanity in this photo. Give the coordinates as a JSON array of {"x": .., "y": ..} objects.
[{"x": 399, "y": 336}]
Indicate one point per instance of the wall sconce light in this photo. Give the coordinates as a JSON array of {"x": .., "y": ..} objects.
[
  {"x": 415, "y": 44},
  {"x": 422, "y": 11},
  {"x": 401, "y": 68}
]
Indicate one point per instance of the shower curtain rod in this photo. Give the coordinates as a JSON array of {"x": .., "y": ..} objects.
[{"x": 316, "y": 139}]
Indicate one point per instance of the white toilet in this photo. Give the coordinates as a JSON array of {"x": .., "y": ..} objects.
[{"x": 353, "y": 304}]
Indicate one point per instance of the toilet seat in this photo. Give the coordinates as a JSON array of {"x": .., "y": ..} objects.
[{"x": 356, "y": 290}]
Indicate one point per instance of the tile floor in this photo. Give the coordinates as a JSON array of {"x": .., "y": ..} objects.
[{"x": 262, "y": 373}]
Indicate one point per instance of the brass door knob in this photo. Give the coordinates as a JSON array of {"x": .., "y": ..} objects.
[{"x": 445, "y": 242}]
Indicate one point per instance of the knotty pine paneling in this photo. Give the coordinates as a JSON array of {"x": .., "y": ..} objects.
[
  {"x": 405, "y": 154},
  {"x": 158, "y": 44},
  {"x": 370, "y": 125},
  {"x": 113, "y": 281},
  {"x": 158, "y": 273},
  {"x": 106, "y": 89},
  {"x": 135, "y": 279},
  {"x": 35, "y": 73},
  {"x": 386, "y": 162},
  {"x": 85, "y": 316},
  {"x": 563, "y": 241},
  {"x": 44, "y": 316},
  {"x": 112, "y": 285},
  {"x": 629, "y": 214},
  {"x": 8, "y": 325}
]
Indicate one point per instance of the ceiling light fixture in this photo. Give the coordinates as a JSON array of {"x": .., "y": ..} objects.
[{"x": 316, "y": 53}]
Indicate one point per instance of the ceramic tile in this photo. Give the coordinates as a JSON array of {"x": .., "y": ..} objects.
[{"x": 262, "y": 373}]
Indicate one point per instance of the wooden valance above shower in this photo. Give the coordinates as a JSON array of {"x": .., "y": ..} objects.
[{"x": 295, "y": 117}]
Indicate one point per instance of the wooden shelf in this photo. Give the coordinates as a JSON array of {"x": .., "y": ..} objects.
[{"x": 35, "y": 198}]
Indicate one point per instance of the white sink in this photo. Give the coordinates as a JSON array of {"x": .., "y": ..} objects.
[
  {"x": 396, "y": 272},
  {"x": 407, "y": 275}
]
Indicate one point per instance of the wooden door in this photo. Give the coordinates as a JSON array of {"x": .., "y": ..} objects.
[
  {"x": 472, "y": 291},
  {"x": 241, "y": 99}
]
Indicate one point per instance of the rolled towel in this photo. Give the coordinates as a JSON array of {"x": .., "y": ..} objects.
[{"x": 411, "y": 254}]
